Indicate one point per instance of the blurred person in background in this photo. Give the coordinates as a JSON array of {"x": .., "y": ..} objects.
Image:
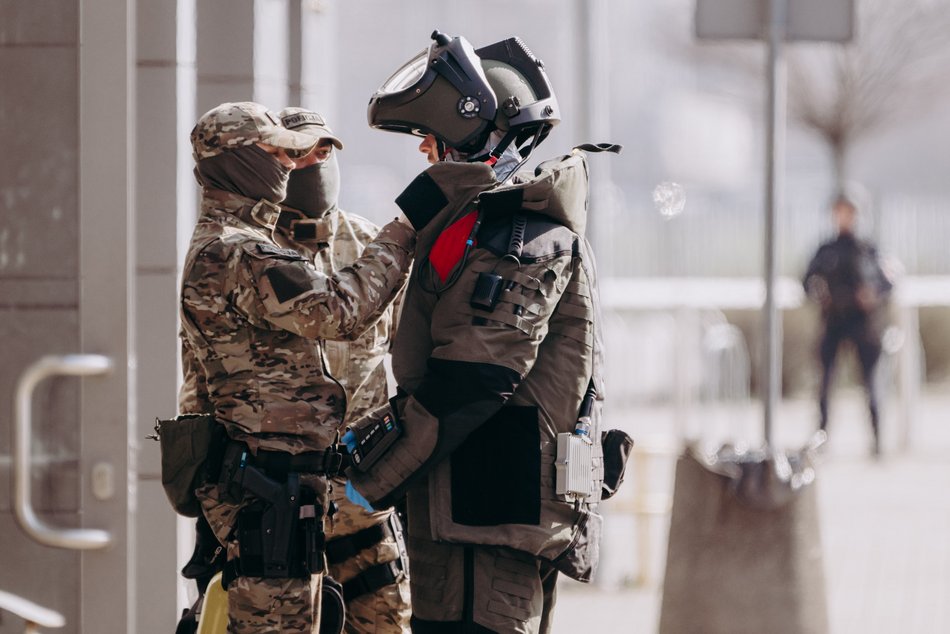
[{"x": 846, "y": 279}]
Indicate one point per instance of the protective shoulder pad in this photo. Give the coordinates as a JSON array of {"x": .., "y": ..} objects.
[
  {"x": 443, "y": 186},
  {"x": 422, "y": 200},
  {"x": 558, "y": 190}
]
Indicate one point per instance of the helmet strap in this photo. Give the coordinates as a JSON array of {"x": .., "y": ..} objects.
[{"x": 506, "y": 141}]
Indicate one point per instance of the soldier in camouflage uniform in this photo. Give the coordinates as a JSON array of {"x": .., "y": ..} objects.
[
  {"x": 365, "y": 550},
  {"x": 254, "y": 321}
]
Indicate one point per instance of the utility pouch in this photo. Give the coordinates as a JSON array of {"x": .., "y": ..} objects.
[
  {"x": 617, "y": 446},
  {"x": 579, "y": 560},
  {"x": 190, "y": 445},
  {"x": 487, "y": 291}
]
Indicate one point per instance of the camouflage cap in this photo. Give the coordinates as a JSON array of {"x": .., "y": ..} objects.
[
  {"x": 233, "y": 125},
  {"x": 308, "y": 122}
]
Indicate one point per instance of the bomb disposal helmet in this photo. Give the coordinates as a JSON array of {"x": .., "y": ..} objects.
[{"x": 461, "y": 95}]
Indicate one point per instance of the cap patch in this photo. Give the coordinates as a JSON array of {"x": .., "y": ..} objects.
[{"x": 302, "y": 118}]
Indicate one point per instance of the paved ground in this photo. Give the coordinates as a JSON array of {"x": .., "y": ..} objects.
[{"x": 885, "y": 524}]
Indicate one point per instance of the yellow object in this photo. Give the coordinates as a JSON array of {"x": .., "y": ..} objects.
[{"x": 214, "y": 611}]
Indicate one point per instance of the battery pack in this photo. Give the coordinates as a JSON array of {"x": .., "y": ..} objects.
[
  {"x": 373, "y": 440},
  {"x": 573, "y": 465}
]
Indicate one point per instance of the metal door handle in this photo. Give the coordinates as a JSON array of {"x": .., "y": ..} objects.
[
  {"x": 43, "y": 368},
  {"x": 33, "y": 614}
]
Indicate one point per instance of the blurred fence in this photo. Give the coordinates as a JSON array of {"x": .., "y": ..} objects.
[{"x": 722, "y": 235}]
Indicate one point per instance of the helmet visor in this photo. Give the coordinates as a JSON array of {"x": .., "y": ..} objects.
[{"x": 407, "y": 75}]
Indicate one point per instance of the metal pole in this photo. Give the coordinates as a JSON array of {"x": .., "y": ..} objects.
[
  {"x": 593, "y": 111},
  {"x": 774, "y": 160}
]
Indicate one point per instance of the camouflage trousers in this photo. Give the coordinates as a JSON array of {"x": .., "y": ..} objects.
[
  {"x": 272, "y": 606},
  {"x": 387, "y": 610},
  {"x": 257, "y": 605}
]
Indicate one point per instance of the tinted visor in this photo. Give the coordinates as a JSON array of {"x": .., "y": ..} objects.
[{"x": 441, "y": 91}]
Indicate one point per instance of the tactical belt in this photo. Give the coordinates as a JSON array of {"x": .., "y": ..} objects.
[
  {"x": 346, "y": 460},
  {"x": 325, "y": 462},
  {"x": 339, "y": 549}
]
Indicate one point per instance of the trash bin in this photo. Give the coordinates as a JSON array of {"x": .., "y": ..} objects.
[{"x": 744, "y": 551}]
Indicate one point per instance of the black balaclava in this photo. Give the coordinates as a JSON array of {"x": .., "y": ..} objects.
[
  {"x": 248, "y": 171},
  {"x": 315, "y": 189}
]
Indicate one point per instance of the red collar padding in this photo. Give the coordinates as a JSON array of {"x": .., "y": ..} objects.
[{"x": 449, "y": 247}]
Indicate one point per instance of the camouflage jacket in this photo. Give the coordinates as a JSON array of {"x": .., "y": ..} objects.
[
  {"x": 255, "y": 317},
  {"x": 331, "y": 243}
]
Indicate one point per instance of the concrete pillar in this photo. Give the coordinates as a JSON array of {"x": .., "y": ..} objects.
[
  {"x": 314, "y": 56},
  {"x": 242, "y": 52},
  {"x": 733, "y": 569},
  {"x": 165, "y": 213}
]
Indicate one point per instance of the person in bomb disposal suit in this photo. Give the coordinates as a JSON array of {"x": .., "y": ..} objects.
[
  {"x": 846, "y": 279},
  {"x": 254, "y": 320},
  {"x": 366, "y": 551},
  {"x": 494, "y": 436}
]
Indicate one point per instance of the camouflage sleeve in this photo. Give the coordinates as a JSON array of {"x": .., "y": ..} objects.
[
  {"x": 193, "y": 395},
  {"x": 279, "y": 289},
  {"x": 397, "y": 312}
]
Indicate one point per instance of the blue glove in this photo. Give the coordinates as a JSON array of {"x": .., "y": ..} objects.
[
  {"x": 354, "y": 496},
  {"x": 349, "y": 439}
]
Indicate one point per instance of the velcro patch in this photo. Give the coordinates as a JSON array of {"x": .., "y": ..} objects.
[
  {"x": 288, "y": 281},
  {"x": 421, "y": 201},
  {"x": 302, "y": 118},
  {"x": 277, "y": 252}
]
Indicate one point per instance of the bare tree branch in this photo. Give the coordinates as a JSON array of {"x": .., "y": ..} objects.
[{"x": 896, "y": 68}]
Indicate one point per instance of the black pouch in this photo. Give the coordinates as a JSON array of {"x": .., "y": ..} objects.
[
  {"x": 187, "y": 442},
  {"x": 332, "y": 607},
  {"x": 579, "y": 560},
  {"x": 617, "y": 446},
  {"x": 207, "y": 558}
]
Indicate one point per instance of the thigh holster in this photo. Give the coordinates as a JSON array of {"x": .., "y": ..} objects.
[{"x": 280, "y": 532}]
